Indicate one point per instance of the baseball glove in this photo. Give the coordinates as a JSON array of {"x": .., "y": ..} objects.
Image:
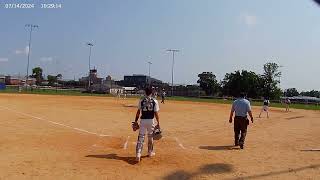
[
  {"x": 157, "y": 133},
  {"x": 135, "y": 126}
]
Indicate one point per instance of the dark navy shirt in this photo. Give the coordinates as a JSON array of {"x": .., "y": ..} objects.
[{"x": 148, "y": 107}]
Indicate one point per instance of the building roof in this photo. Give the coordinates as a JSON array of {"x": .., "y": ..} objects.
[
  {"x": 304, "y": 98},
  {"x": 129, "y": 88}
]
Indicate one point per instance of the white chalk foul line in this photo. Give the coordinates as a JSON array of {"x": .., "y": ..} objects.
[
  {"x": 104, "y": 135},
  {"x": 82, "y": 130},
  {"x": 125, "y": 146},
  {"x": 179, "y": 143},
  {"x": 60, "y": 124},
  {"x": 56, "y": 123}
]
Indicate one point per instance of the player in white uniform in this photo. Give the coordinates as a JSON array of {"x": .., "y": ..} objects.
[
  {"x": 148, "y": 107},
  {"x": 287, "y": 103},
  {"x": 265, "y": 107},
  {"x": 163, "y": 96}
]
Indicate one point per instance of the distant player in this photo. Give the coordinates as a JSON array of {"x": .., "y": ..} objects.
[
  {"x": 241, "y": 107},
  {"x": 163, "y": 96},
  {"x": 265, "y": 107},
  {"x": 287, "y": 102},
  {"x": 154, "y": 93},
  {"x": 148, "y": 107},
  {"x": 118, "y": 93}
]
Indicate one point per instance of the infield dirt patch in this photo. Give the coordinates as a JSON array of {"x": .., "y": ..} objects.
[{"x": 72, "y": 137}]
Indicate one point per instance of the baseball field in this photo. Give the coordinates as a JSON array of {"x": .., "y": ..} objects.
[{"x": 79, "y": 137}]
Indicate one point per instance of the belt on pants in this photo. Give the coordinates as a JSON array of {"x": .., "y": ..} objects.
[{"x": 242, "y": 117}]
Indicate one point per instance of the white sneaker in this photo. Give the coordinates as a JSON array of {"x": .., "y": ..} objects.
[
  {"x": 138, "y": 158},
  {"x": 150, "y": 154}
]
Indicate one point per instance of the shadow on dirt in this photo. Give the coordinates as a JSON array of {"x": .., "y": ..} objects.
[
  {"x": 208, "y": 169},
  {"x": 295, "y": 117},
  {"x": 218, "y": 148},
  {"x": 293, "y": 171},
  {"x": 129, "y": 160}
]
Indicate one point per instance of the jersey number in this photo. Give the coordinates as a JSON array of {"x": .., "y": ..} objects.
[{"x": 147, "y": 106}]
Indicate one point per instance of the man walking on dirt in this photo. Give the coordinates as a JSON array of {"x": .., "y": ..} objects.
[
  {"x": 241, "y": 107},
  {"x": 149, "y": 108}
]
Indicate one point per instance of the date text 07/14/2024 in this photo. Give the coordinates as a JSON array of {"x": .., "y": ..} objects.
[{"x": 31, "y": 6}]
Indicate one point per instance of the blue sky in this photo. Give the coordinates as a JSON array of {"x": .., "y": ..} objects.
[{"x": 220, "y": 36}]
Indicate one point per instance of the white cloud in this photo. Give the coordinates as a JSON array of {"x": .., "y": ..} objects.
[
  {"x": 18, "y": 52},
  {"x": 4, "y": 59},
  {"x": 248, "y": 19},
  {"x": 23, "y": 51},
  {"x": 46, "y": 59}
]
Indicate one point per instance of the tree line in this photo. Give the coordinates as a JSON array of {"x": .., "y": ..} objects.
[
  {"x": 294, "y": 92},
  {"x": 253, "y": 84},
  {"x": 37, "y": 73}
]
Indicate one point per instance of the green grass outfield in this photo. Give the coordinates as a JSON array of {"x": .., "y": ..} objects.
[
  {"x": 254, "y": 103},
  {"x": 50, "y": 92},
  {"x": 207, "y": 100}
]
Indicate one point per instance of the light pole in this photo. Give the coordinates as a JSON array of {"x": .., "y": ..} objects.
[
  {"x": 90, "y": 46},
  {"x": 149, "y": 67},
  {"x": 57, "y": 82},
  {"x": 149, "y": 72},
  {"x": 173, "y": 52},
  {"x": 31, "y": 26},
  {"x": 280, "y": 77}
]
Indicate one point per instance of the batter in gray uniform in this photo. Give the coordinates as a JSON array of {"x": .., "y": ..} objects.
[{"x": 241, "y": 107}]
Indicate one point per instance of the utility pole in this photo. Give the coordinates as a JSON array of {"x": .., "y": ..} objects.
[
  {"x": 90, "y": 46},
  {"x": 32, "y": 27},
  {"x": 173, "y": 52}
]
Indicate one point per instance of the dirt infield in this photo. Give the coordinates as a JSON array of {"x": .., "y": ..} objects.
[{"x": 65, "y": 137}]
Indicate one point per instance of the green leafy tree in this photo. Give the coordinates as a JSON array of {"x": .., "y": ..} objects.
[
  {"x": 54, "y": 79},
  {"x": 208, "y": 83},
  {"x": 51, "y": 80},
  {"x": 37, "y": 74},
  {"x": 311, "y": 93},
  {"x": 244, "y": 81},
  {"x": 271, "y": 77},
  {"x": 291, "y": 92}
]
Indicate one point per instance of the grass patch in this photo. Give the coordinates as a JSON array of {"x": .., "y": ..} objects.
[
  {"x": 254, "y": 103},
  {"x": 175, "y": 98},
  {"x": 51, "y": 92}
]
